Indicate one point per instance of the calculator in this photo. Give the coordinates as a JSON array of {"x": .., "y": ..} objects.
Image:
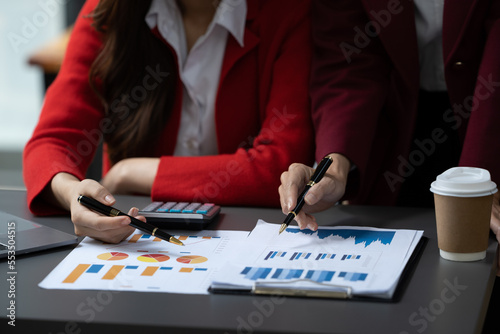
[{"x": 180, "y": 215}]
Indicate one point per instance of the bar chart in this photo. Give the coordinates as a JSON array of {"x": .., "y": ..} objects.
[{"x": 263, "y": 273}]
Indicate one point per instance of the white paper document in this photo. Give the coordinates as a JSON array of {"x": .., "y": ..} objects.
[
  {"x": 145, "y": 263},
  {"x": 362, "y": 261}
]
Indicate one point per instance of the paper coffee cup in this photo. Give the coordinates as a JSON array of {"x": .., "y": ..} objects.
[{"x": 463, "y": 197}]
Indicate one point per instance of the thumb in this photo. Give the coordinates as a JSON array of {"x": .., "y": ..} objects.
[{"x": 319, "y": 191}]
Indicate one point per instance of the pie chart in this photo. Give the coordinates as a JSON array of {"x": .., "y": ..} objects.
[
  {"x": 112, "y": 256},
  {"x": 153, "y": 258},
  {"x": 192, "y": 259}
]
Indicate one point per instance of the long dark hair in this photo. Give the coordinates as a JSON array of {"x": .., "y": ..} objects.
[{"x": 130, "y": 53}]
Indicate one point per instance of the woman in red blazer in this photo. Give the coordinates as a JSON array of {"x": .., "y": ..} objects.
[
  {"x": 369, "y": 107},
  {"x": 365, "y": 94},
  {"x": 134, "y": 100}
]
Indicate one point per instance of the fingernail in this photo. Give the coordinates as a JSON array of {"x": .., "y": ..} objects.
[
  {"x": 109, "y": 199},
  {"x": 312, "y": 227},
  {"x": 126, "y": 221}
]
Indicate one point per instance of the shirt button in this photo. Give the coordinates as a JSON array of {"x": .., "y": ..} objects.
[
  {"x": 458, "y": 65},
  {"x": 192, "y": 144}
]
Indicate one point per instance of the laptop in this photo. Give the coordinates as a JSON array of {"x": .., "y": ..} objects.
[{"x": 23, "y": 236}]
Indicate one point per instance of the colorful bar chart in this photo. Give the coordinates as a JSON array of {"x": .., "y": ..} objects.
[
  {"x": 149, "y": 271},
  {"x": 186, "y": 237},
  {"x": 323, "y": 256},
  {"x": 300, "y": 255},
  {"x": 274, "y": 254},
  {"x": 76, "y": 273},
  {"x": 135, "y": 237},
  {"x": 352, "y": 277},
  {"x": 113, "y": 272},
  {"x": 95, "y": 268}
]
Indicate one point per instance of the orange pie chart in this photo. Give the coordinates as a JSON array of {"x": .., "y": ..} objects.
[
  {"x": 192, "y": 259},
  {"x": 153, "y": 258},
  {"x": 112, "y": 256}
]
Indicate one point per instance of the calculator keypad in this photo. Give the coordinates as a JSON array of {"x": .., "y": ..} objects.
[{"x": 179, "y": 207}]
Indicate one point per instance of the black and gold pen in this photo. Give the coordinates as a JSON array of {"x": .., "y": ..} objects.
[
  {"x": 134, "y": 222},
  {"x": 315, "y": 178}
]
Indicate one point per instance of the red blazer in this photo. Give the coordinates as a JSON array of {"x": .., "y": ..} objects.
[
  {"x": 262, "y": 116},
  {"x": 365, "y": 87}
]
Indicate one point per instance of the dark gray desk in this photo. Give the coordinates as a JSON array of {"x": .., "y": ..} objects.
[{"x": 440, "y": 296}]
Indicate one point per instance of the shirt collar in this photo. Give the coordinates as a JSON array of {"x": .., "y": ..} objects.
[{"x": 230, "y": 14}]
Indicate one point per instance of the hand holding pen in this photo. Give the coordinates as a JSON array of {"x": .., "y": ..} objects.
[
  {"x": 97, "y": 206},
  {"x": 315, "y": 178}
]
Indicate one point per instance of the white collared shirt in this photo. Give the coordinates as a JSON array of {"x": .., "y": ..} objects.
[
  {"x": 429, "y": 24},
  {"x": 199, "y": 69}
]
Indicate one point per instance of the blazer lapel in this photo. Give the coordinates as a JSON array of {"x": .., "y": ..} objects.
[
  {"x": 233, "y": 50},
  {"x": 398, "y": 34},
  {"x": 456, "y": 17}
]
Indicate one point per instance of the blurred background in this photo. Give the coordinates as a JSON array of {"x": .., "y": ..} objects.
[{"x": 34, "y": 34}]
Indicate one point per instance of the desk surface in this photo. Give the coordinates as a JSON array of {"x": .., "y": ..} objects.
[{"x": 439, "y": 297}]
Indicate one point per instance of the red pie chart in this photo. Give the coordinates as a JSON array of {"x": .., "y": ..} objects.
[
  {"x": 153, "y": 258},
  {"x": 192, "y": 259},
  {"x": 112, "y": 256}
]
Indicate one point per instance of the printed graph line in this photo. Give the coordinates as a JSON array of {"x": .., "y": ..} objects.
[{"x": 360, "y": 236}]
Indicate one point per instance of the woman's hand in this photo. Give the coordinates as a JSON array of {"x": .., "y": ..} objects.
[
  {"x": 321, "y": 196},
  {"x": 65, "y": 189},
  {"x": 132, "y": 176}
]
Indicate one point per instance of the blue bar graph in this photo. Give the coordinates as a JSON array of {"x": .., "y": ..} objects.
[
  {"x": 350, "y": 257},
  {"x": 322, "y": 256},
  {"x": 94, "y": 269},
  {"x": 274, "y": 254},
  {"x": 131, "y": 267},
  {"x": 300, "y": 255},
  {"x": 281, "y": 273},
  {"x": 255, "y": 273},
  {"x": 320, "y": 275},
  {"x": 352, "y": 277}
]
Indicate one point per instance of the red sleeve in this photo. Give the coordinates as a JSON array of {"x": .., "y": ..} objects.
[
  {"x": 350, "y": 81},
  {"x": 252, "y": 176},
  {"x": 482, "y": 141},
  {"x": 66, "y": 135}
]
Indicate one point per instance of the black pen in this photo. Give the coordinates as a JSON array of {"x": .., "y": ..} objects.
[
  {"x": 134, "y": 222},
  {"x": 315, "y": 178}
]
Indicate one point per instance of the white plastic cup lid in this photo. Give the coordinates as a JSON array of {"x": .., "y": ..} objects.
[{"x": 464, "y": 182}]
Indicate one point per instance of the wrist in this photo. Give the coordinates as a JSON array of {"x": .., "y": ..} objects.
[
  {"x": 61, "y": 189},
  {"x": 340, "y": 166}
]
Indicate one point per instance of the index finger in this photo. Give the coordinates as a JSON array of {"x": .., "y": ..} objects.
[{"x": 291, "y": 182}]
